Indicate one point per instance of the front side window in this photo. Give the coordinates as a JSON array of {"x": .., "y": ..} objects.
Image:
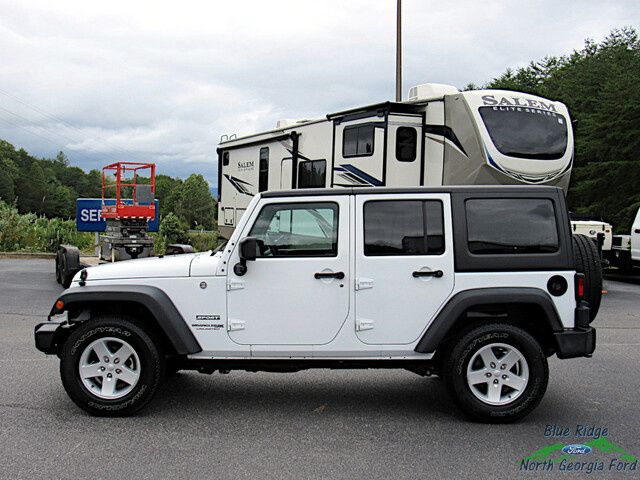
[
  {"x": 312, "y": 174},
  {"x": 297, "y": 230},
  {"x": 511, "y": 226},
  {"x": 526, "y": 132},
  {"x": 357, "y": 141},
  {"x": 263, "y": 180},
  {"x": 406, "y": 144},
  {"x": 403, "y": 227}
]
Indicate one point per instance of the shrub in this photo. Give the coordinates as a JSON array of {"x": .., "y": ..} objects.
[
  {"x": 203, "y": 240},
  {"x": 173, "y": 229},
  {"x": 33, "y": 233}
]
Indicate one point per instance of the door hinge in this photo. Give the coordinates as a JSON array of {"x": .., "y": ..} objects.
[
  {"x": 235, "y": 285},
  {"x": 364, "y": 324},
  {"x": 234, "y": 325},
  {"x": 363, "y": 283}
]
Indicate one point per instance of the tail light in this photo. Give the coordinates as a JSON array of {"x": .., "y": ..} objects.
[{"x": 580, "y": 286}]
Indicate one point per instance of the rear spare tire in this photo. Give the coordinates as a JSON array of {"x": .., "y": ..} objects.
[{"x": 587, "y": 261}]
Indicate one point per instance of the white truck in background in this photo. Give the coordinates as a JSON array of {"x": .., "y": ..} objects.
[
  {"x": 596, "y": 229},
  {"x": 625, "y": 249}
]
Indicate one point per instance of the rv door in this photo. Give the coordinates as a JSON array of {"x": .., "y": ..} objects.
[
  {"x": 286, "y": 171},
  {"x": 359, "y": 152},
  {"x": 404, "y": 151}
]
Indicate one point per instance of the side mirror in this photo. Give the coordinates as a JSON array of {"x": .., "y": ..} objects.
[
  {"x": 248, "y": 249},
  {"x": 248, "y": 252}
]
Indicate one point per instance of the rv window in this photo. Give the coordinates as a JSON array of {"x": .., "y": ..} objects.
[
  {"x": 297, "y": 230},
  {"x": 357, "y": 141},
  {"x": 406, "y": 144},
  {"x": 511, "y": 226},
  {"x": 225, "y": 159},
  {"x": 403, "y": 227},
  {"x": 312, "y": 174},
  {"x": 263, "y": 181},
  {"x": 526, "y": 132}
]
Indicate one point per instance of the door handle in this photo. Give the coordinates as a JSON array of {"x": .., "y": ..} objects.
[
  {"x": 434, "y": 273},
  {"x": 637, "y": 230},
  {"x": 338, "y": 275}
]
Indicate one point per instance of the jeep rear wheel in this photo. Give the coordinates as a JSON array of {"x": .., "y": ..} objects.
[
  {"x": 497, "y": 373},
  {"x": 110, "y": 367}
]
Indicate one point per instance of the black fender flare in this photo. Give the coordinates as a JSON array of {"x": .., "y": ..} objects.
[
  {"x": 460, "y": 302},
  {"x": 152, "y": 298}
]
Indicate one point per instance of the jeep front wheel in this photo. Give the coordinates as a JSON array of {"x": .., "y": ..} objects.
[
  {"x": 497, "y": 373},
  {"x": 110, "y": 367}
]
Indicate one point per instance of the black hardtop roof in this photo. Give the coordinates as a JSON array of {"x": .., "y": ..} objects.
[{"x": 473, "y": 189}]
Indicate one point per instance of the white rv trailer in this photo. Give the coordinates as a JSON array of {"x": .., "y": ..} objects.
[{"x": 439, "y": 136}]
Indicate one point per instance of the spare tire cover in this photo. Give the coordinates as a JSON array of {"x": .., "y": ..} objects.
[{"x": 587, "y": 261}]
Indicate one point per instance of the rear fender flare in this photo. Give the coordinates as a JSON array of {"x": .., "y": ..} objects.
[{"x": 446, "y": 319}]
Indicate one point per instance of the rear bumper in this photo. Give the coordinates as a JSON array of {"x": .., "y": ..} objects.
[
  {"x": 48, "y": 335},
  {"x": 575, "y": 342}
]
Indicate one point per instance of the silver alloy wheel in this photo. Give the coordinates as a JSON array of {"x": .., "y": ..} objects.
[
  {"x": 497, "y": 374},
  {"x": 109, "y": 368}
]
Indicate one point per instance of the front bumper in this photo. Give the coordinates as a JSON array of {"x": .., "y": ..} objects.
[
  {"x": 575, "y": 342},
  {"x": 48, "y": 336}
]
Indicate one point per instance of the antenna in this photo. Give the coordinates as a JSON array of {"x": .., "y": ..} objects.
[{"x": 399, "y": 52}]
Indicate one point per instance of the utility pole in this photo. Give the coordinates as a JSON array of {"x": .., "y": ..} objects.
[{"x": 399, "y": 52}]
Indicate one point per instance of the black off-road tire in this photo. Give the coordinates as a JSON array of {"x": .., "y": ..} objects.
[
  {"x": 588, "y": 262},
  {"x": 151, "y": 365},
  {"x": 467, "y": 344}
]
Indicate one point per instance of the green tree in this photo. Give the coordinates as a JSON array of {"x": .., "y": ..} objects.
[
  {"x": 8, "y": 175},
  {"x": 600, "y": 85},
  {"x": 173, "y": 229},
  {"x": 196, "y": 205},
  {"x": 168, "y": 192}
]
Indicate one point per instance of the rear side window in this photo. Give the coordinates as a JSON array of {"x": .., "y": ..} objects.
[
  {"x": 403, "y": 227},
  {"x": 511, "y": 226},
  {"x": 406, "y": 144},
  {"x": 312, "y": 174},
  {"x": 357, "y": 141}
]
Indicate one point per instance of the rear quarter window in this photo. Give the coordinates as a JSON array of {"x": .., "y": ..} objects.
[{"x": 513, "y": 226}]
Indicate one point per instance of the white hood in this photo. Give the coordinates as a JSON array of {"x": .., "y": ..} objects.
[{"x": 153, "y": 267}]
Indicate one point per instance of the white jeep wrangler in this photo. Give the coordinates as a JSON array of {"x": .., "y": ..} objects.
[{"x": 478, "y": 285}]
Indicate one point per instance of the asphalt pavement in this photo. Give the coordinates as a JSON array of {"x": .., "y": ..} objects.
[{"x": 314, "y": 424}]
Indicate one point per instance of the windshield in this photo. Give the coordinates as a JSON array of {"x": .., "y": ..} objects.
[{"x": 526, "y": 132}]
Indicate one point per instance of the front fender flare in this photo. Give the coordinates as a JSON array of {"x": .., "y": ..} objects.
[
  {"x": 461, "y": 302},
  {"x": 152, "y": 298}
]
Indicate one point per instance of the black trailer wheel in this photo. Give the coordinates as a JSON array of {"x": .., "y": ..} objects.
[
  {"x": 67, "y": 264},
  {"x": 587, "y": 261},
  {"x": 58, "y": 268}
]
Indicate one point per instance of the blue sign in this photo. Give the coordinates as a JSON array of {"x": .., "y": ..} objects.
[{"x": 89, "y": 215}]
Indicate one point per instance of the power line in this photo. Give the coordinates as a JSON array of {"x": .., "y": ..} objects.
[
  {"x": 55, "y": 118},
  {"x": 54, "y": 133}
]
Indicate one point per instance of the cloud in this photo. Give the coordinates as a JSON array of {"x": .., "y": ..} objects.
[{"x": 162, "y": 81}]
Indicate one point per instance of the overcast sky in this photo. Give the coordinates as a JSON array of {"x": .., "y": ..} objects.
[{"x": 162, "y": 81}]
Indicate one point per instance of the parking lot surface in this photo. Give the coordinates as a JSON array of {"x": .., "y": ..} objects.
[{"x": 312, "y": 424}]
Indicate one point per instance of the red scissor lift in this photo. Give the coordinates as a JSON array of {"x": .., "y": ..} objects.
[
  {"x": 128, "y": 214},
  {"x": 128, "y": 204}
]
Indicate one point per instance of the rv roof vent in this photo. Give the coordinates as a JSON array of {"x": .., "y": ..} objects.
[{"x": 430, "y": 91}]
